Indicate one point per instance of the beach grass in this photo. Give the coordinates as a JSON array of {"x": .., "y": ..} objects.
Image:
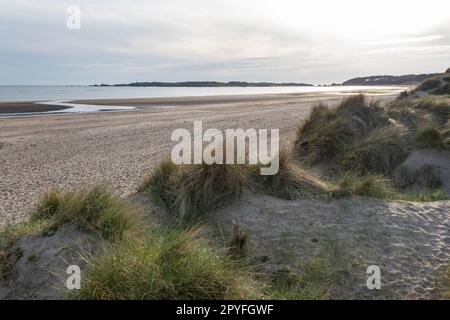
[
  {"x": 167, "y": 264},
  {"x": 432, "y": 135},
  {"x": 202, "y": 188},
  {"x": 328, "y": 131},
  {"x": 429, "y": 84},
  {"x": 94, "y": 209},
  {"x": 370, "y": 185},
  {"x": 160, "y": 185},
  {"x": 381, "y": 151},
  {"x": 290, "y": 182}
]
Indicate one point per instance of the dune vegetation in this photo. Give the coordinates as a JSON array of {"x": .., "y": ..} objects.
[
  {"x": 353, "y": 149},
  {"x": 136, "y": 258},
  {"x": 144, "y": 260}
]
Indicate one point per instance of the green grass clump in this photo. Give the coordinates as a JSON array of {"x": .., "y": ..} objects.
[
  {"x": 379, "y": 152},
  {"x": 437, "y": 195},
  {"x": 438, "y": 107},
  {"x": 192, "y": 191},
  {"x": 412, "y": 112},
  {"x": 166, "y": 264},
  {"x": 311, "y": 281},
  {"x": 328, "y": 131},
  {"x": 432, "y": 135},
  {"x": 442, "y": 90},
  {"x": 160, "y": 184},
  {"x": 429, "y": 84},
  {"x": 371, "y": 185},
  {"x": 203, "y": 188},
  {"x": 94, "y": 209}
]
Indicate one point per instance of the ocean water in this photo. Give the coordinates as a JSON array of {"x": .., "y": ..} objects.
[{"x": 64, "y": 93}]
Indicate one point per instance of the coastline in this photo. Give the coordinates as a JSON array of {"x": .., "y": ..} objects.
[{"x": 25, "y": 107}]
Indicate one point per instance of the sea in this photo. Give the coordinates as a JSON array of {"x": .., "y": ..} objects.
[{"x": 65, "y": 93}]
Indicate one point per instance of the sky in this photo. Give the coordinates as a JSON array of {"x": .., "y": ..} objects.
[{"x": 319, "y": 42}]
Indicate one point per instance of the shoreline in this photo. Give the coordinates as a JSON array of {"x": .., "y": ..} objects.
[{"x": 28, "y": 108}]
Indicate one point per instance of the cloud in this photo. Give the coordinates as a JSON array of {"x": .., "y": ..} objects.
[{"x": 285, "y": 40}]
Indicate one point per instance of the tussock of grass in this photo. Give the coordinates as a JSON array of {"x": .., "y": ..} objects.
[
  {"x": 160, "y": 184},
  {"x": 380, "y": 152},
  {"x": 432, "y": 135},
  {"x": 291, "y": 181},
  {"x": 94, "y": 209},
  {"x": 368, "y": 116},
  {"x": 328, "y": 131},
  {"x": 429, "y": 84},
  {"x": 204, "y": 188},
  {"x": 371, "y": 185},
  {"x": 311, "y": 281},
  {"x": 438, "y": 107},
  {"x": 191, "y": 191},
  {"x": 172, "y": 264},
  {"x": 412, "y": 112},
  {"x": 443, "y": 89}
]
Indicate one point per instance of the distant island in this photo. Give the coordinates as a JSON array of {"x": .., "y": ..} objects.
[
  {"x": 360, "y": 81},
  {"x": 389, "y": 80},
  {"x": 206, "y": 84}
]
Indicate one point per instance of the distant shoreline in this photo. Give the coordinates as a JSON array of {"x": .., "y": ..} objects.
[
  {"x": 206, "y": 84},
  {"x": 27, "y": 107}
]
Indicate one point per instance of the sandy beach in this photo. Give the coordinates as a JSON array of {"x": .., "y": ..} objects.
[{"x": 120, "y": 148}]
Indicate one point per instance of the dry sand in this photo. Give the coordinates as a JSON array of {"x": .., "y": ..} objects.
[
  {"x": 410, "y": 242},
  {"x": 120, "y": 148}
]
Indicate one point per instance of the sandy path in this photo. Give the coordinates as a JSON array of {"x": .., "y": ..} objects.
[
  {"x": 410, "y": 242},
  {"x": 119, "y": 148}
]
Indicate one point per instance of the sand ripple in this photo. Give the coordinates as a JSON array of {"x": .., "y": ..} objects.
[{"x": 408, "y": 241}]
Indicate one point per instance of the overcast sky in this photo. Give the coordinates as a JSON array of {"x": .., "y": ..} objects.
[{"x": 250, "y": 40}]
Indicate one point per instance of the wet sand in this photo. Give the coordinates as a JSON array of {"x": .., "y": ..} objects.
[
  {"x": 120, "y": 148},
  {"x": 26, "y": 106}
]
